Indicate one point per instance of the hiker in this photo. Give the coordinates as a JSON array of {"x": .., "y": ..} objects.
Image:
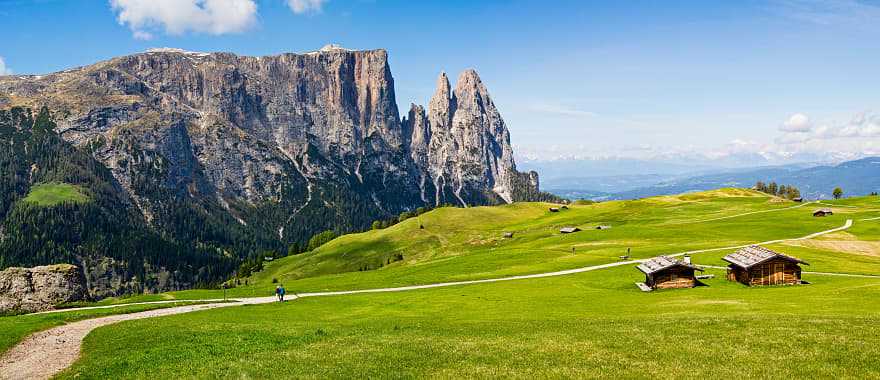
[
  {"x": 281, "y": 293},
  {"x": 278, "y": 292}
]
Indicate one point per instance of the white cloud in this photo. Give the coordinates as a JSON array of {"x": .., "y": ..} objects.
[
  {"x": 3, "y": 69},
  {"x": 177, "y": 17},
  {"x": 305, "y": 6},
  {"x": 796, "y": 123}
]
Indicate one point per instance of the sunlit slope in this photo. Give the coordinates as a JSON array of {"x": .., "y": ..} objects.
[{"x": 461, "y": 244}]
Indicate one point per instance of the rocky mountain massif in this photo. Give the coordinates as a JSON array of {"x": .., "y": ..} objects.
[{"x": 232, "y": 155}]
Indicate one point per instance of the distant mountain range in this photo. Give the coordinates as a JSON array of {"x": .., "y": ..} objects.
[{"x": 858, "y": 177}]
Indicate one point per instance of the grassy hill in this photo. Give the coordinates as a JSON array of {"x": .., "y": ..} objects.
[
  {"x": 465, "y": 244},
  {"x": 593, "y": 324}
]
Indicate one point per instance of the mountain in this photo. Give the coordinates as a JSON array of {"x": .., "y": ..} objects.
[
  {"x": 859, "y": 177},
  {"x": 239, "y": 154},
  {"x": 60, "y": 205}
]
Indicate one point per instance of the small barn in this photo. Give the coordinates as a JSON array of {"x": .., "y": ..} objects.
[
  {"x": 823, "y": 212},
  {"x": 755, "y": 265},
  {"x": 569, "y": 230},
  {"x": 664, "y": 272}
]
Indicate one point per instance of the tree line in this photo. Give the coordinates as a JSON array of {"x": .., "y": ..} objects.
[{"x": 782, "y": 191}]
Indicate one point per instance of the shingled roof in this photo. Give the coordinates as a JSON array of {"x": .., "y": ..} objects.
[
  {"x": 659, "y": 263},
  {"x": 753, "y": 255}
]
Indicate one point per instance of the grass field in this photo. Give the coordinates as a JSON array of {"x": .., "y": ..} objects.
[
  {"x": 594, "y": 324},
  {"x": 589, "y": 325},
  {"x": 52, "y": 194}
]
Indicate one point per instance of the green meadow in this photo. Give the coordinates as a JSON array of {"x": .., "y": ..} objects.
[
  {"x": 594, "y": 324},
  {"x": 52, "y": 194},
  {"x": 466, "y": 244}
]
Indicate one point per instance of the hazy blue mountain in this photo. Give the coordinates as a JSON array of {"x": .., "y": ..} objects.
[{"x": 859, "y": 177}]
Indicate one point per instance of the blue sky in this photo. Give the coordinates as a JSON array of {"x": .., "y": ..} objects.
[{"x": 787, "y": 78}]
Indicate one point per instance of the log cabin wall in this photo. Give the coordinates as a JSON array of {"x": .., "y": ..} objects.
[
  {"x": 773, "y": 272},
  {"x": 674, "y": 278}
]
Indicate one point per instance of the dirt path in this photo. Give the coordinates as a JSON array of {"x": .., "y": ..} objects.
[
  {"x": 46, "y": 353},
  {"x": 127, "y": 304}
]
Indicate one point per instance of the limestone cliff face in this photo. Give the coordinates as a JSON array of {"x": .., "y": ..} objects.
[
  {"x": 293, "y": 143},
  {"x": 464, "y": 147},
  {"x": 40, "y": 288}
]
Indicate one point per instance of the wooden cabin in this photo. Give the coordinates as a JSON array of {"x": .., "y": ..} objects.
[
  {"x": 664, "y": 272},
  {"x": 823, "y": 212},
  {"x": 569, "y": 230},
  {"x": 757, "y": 265}
]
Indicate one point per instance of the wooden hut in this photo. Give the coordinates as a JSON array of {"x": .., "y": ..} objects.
[
  {"x": 757, "y": 265},
  {"x": 823, "y": 212},
  {"x": 569, "y": 230},
  {"x": 664, "y": 272}
]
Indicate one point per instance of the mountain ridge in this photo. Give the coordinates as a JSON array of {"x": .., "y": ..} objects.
[{"x": 286, "y": 146}]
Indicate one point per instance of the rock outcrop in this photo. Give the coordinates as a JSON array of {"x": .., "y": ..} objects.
[
  {"x": 40, "y": 288},
  {"x": 463, "y": 146}
]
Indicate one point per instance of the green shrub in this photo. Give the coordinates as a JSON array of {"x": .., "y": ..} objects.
[{"x": 321, "y": 239}]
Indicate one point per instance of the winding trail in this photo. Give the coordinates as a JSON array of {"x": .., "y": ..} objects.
[{"x": 46, "y": 353}]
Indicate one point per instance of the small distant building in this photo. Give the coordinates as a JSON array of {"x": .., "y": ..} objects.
[
  {"x": 823, "y": 212},
  {"x": 756, "y": 265},
  {"x": 664, "y": 272},
  {"x": 798, "y": 200},
  {"x": 603, "y": 227},
  {"x": 554, "y": 209},
  {"x": 508, "y": 235},
  {"x": 569, "y": 230}
]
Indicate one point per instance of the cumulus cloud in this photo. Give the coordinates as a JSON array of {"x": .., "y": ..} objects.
[
  {"x": 305, "y": 6},
  {"x": 176, "y": 17},
  {"x": 796, "y": 123},
  {"x": 856, "y": 138},
  {"x": 3, "y": 69}
]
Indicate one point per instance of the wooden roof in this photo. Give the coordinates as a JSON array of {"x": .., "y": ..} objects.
[
  {"x": 753, "y": 255},
  {"x": 660, "y": 263}
]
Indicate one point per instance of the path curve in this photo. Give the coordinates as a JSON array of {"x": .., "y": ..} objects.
[{"x": 46, "y": 353}]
